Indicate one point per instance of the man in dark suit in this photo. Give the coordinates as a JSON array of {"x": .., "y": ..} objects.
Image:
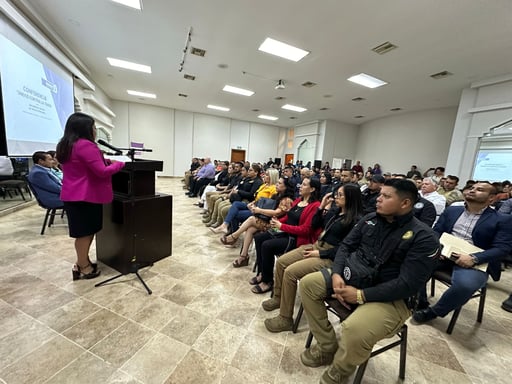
[
  {"x": 45, "y": 185},
  {"x": 486, "y": 229}
]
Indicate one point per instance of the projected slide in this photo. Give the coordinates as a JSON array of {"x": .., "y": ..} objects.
[
  {"x": 493, "y": 165},
  {"x": 36, "y": 101}
]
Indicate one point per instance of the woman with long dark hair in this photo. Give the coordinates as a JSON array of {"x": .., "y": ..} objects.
[
  {"x": 335, "y": 223},
  {"x": 283, "y": 201},
  {"x": 86, "y": 186},
  {"x": 290, "y": 231}
]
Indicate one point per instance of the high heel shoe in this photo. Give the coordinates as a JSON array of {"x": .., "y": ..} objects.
[
  {"x": 78, "y": 274},
  {"x": 226, "y": 239},
  {"x": 242, "y": 261}
]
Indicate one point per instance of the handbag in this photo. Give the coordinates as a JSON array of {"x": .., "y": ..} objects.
[{"x": 265, "y": 203}]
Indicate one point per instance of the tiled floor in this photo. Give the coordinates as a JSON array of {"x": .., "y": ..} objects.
[{"x": 201, "y": 325}]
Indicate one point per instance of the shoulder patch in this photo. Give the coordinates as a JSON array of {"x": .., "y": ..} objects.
[{"x": 407, "y": 235}]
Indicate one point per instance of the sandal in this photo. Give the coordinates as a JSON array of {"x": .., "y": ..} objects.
[
  {"x": 242, "y": 261},
  {"x": 224, "y": 239},
  {"x": 258, "y": 290},
  {"x": 255, "y": 280}
]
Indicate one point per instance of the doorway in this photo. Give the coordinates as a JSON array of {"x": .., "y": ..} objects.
[{"x": 237, "y": 155}]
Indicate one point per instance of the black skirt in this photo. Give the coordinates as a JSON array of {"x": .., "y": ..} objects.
[{"x": 84, "y": 219}]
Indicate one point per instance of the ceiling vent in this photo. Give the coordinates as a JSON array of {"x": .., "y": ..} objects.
[
  {"x": 293, "y": 117},
  {"x": 395, "y": 109},
  {"x": 358, "y": 99},
  {"x": 189, "y": 77},
  {"x": 197, "y": 51},
  {"x": 182, "y": 95},
  {"x": 324, "y": 109},
  {"x": 384, "y": 48},
  {"x": 441, "y": 75},
  {"x": 255, "y": 110},
  {"x": 308, "y": 84},
  {"x": 358, "y": 117},
  {"x": 279, "y": 98}
]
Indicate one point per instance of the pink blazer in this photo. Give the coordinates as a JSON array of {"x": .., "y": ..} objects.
[{"x": 87, "y": 175}]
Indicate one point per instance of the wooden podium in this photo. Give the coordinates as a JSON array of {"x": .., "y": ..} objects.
[{"x": 137, "y": 225}]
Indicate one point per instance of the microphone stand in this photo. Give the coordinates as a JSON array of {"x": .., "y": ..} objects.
[{"x": 134, "y": 265}]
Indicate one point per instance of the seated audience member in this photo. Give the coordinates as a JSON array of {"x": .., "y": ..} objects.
[
  {"x": 483, "y": 227},
  {"x": 506, "y": 207},
  {"x": 45, "y": 184},
  {"x": 56, "y": 169},
  {"x": 371, "y": 193},
  {"x": 325, "y": 182},
  {"x": 221, "y": 191},
  {"x": 449, "y": 190},
  {"x": 239, "y": 210},
  {"x": 413, "y": 173},
  {"x": 292, "y": 230},
  {"x": 357, "y": 167},
  {"x": 204, "y": 176},
  {"x": 335, "y": 222},
  {"x": 423, "y": 210},
  {"x": 194, "y": 166},
  {"x": 405, "y": 247},
  {"x": 376, "y": 169},
  {"x": 326, "y": 167},
  {"x": 429, "y": 191},
  {"x": 6, "y": 169},
  {"x": 435, "y": 173},
  {"x": 220, "y": 180},
  {"x": 285, "y": 191},
  {"x": 224, "y": 202}
]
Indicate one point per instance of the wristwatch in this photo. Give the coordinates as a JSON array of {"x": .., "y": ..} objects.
[{"x": 359, "y": 297}]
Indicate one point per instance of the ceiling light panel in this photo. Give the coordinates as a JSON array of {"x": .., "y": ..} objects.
[
  {"x": 137, "y": 4},
  {"x": 141, "y": 94},
  {"x": 129, "y": 65},
  {"x": 294, "y": 108},
  {"x": 218, "y": 108},
  {"x": 367, "y": 81},
  {"x": 283, "y": 50},
  {"x": 267, "y": 117},
  {"x": 238, "y": 91}
]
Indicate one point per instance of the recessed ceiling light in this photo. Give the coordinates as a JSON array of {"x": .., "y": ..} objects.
[
  {"x": 129, "y": 65},
  {"x": 283, "y": 50},
  {"x": 142, "y": 94},
  {"x": 367, "y": 80},
  {"x": 293, "y": 108},
  {"x": 224, "y": 109},
  {"x": 238, "y": 91},
  {"x": 137, "y": 4},
  {"x": 267, "y": 117}
]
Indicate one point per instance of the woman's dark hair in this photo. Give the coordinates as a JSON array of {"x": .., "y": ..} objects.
[
  {"x": 288, "y": 192},
  {"x": 256, "y": 168},
  {"x": 328, "y": 178},
  {"x": 353, "y": 203},
  {"x": 78, "y": 126},
  {"x": 314, "y": 183}
]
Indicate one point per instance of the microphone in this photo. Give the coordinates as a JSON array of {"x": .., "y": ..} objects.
[{"x": 105, "y": 144}]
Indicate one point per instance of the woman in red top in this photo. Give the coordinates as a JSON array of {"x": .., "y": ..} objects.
[{"x": 290, "y": 231}]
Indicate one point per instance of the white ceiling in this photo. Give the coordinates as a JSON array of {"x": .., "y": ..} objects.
[{"x": 470, "y": 38}]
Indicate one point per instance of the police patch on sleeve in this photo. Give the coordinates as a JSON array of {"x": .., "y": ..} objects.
[{"x": 407, "y": 235}]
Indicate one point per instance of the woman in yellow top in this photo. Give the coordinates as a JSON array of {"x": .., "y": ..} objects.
[{"x": 240, "y": 211}]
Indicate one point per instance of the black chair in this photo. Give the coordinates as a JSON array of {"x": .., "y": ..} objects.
[
  {"x": 445, "y": 277},
  {"x": 342, "y": 313},
  {"x": 50, "y": 212},
  {"x": 8, "y": 186}
]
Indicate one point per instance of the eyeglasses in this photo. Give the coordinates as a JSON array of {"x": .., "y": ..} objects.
[{"x": 340, "y": 195}]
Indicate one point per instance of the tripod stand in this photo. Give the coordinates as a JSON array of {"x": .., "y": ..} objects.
[{"x": 134, "y": 264}]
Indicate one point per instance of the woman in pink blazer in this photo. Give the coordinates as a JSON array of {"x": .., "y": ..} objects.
[{"x": 86, "y": 186}]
